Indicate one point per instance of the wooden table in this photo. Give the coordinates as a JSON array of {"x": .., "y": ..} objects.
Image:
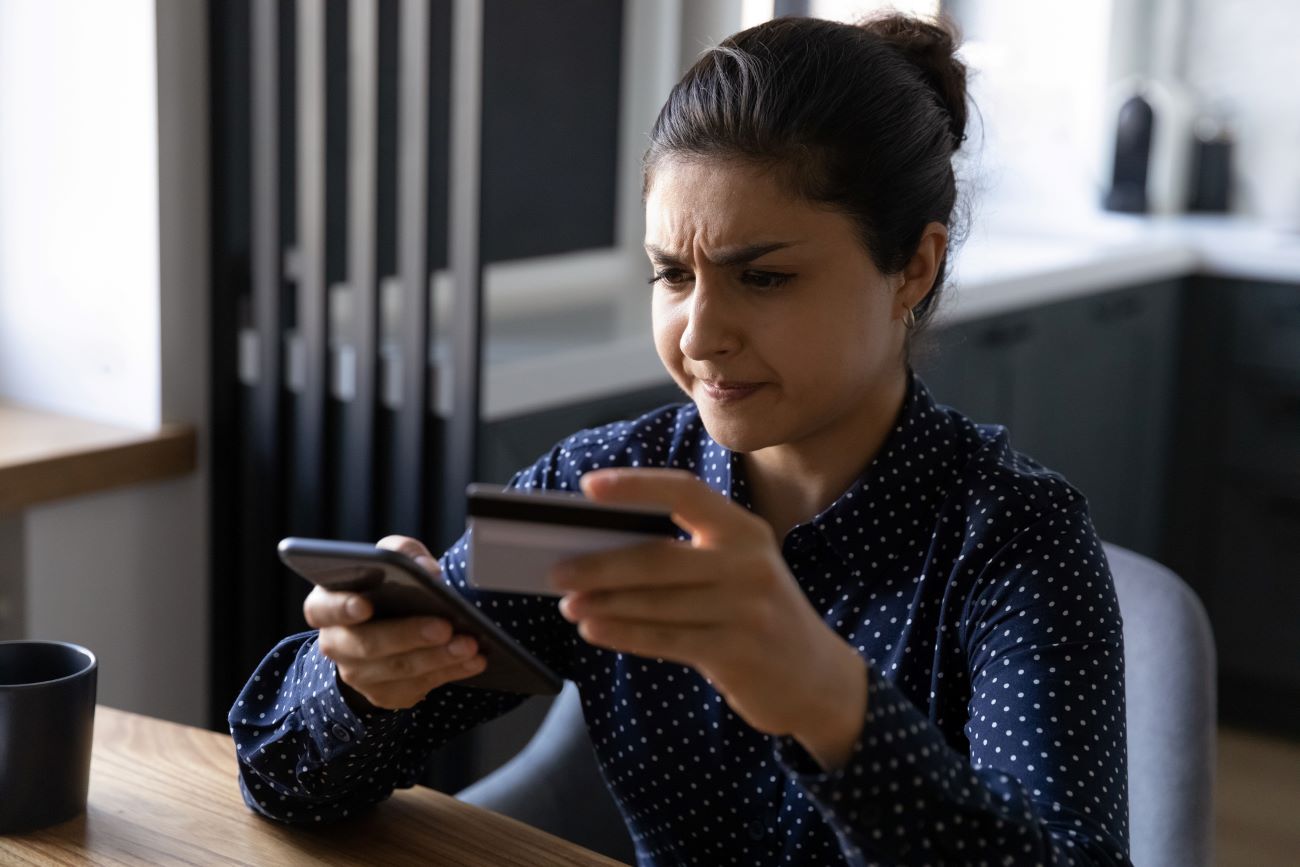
[{"x": 162, "y": 793}]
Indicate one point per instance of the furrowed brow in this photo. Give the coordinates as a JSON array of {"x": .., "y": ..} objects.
[{"x": 730, "y": 256}]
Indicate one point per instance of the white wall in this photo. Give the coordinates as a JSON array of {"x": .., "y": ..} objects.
[
  {"x": 78, "y": 208},
  {"x": 1243, "y": 53},
  {"x": 123, "y": 258}
]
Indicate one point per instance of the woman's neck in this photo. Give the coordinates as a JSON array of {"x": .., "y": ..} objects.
[{"x": 792, "y": 483}]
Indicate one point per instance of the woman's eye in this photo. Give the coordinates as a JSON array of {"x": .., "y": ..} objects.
[
  {"x": 766, "y": 279},
  {"x": 670, "y": 276}
]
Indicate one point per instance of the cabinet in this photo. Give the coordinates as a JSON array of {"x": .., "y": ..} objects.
[
  {"x": 1234, "y": 504},
  {"x": 1083, "y": 386},
  {"x": 513, "y": 444}
]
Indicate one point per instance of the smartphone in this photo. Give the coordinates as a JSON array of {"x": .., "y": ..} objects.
[
  {"x": 397, "y": 586},
  {"x": 517, "y": 535}
]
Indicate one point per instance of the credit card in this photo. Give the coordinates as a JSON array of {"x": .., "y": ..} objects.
[{"x": 516, "y": 536}]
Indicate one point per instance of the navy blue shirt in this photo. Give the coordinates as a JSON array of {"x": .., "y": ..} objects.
[{"x": 969, "y": 577}]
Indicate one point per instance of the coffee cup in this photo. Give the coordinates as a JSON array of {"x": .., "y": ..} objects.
[{"x": 47, "y": 718}]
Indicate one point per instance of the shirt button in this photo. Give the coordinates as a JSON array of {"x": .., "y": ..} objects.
[
  {"x": 755, "y": 830},
  {"x": 341, "y": 733}
]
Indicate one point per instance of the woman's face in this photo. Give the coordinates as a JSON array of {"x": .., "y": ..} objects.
[{"x": 758, "y": 287}]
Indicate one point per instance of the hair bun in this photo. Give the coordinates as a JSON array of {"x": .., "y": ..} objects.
[{"x": 931, "y": 46}]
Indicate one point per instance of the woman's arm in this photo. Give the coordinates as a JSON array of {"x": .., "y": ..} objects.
[
  {"x": 307, "y": 755},
  {"x": 1045, "y": 779}
]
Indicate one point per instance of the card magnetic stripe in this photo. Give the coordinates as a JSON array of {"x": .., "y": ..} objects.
[{"x": 565, "y": 515}]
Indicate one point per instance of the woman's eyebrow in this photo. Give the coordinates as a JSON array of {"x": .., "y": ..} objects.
[{"x": 726, "y": 256}]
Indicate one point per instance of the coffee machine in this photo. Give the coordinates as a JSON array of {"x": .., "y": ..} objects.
[{"x": 1151, "y": 146}]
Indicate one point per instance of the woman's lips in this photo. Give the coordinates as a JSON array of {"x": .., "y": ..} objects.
[{"x": 730, "y": 392}]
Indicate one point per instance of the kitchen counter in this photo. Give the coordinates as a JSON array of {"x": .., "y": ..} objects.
[
  {"x": 47, "y": 456},
  {"x": 1003, "y": 266}
]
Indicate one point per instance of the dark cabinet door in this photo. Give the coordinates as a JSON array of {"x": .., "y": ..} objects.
[
  {"x": 974, "y": 366},
  {"x": 1255, "y": 601},
  {"x": 1093, "y": 403},
  {"x": 1083, "y": 387}
]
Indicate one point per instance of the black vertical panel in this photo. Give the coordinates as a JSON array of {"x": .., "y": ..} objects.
[
  {"x": 337, "y": 68},
  {"x": 441, "y": 531},
  {"x": 439, "y": 130},
  {"x": 388, "y": 71},
  {"x": 229, "y": 88},
  {"x": 466, "y": 332},
  {"x": 309, "y": 496},
  {"x": 293, "y": 590},
  {"x": 387, "y": 222},
  {"x": 262, "y": 453},
  {"x": 357, "y": 489},
  {"x": 412, "y": 207}
]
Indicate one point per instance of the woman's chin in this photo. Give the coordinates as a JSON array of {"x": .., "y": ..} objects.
[{"x": 736, "y": 435}]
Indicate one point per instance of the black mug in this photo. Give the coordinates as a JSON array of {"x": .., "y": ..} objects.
[{"x": 47, "y": 719}]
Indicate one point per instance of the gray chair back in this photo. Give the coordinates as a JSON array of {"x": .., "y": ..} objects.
[
  {"x": 1169, "y": 687},
  {"x": 554, "y": 783}
]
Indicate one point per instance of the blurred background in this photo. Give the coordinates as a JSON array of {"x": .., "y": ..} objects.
[{"x": 272, "y": 267}]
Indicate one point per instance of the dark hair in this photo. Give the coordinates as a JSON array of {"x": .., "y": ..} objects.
[{"x": 863, "y": 118}]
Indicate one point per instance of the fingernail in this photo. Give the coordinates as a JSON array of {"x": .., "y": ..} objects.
[
  {"x": 431, "y": 631},
  {"x": 355, "y": 607},
  {"x": 459, "y": 647}
]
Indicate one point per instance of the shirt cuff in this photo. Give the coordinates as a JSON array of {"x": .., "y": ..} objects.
[
  {"x": 800, "y": 764},
  {"x": 849, "y": 794},
  {"x": 334, "y": 727}
]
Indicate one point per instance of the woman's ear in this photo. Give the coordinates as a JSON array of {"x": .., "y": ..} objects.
[{"x": 918, "y": 276}]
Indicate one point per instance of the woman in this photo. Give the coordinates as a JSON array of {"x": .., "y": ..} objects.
[{"x": 891, "y": 639}]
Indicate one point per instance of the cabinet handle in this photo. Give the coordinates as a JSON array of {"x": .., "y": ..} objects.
[
  {"x": 1118, "y": 309},
  {"x": 1006, "y": 334}
]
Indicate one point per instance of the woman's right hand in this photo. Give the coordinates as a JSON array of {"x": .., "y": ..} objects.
[{"x": 391, "y": 663}]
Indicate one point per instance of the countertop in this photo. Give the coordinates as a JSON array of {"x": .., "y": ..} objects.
[
  {"x": 1002, "y": 266},
  {"x": 47, "y": 456}
]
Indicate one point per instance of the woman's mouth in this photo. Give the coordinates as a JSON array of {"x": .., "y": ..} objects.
[{"x": 729, "y": 392}]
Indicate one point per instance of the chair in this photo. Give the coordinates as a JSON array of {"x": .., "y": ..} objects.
[
  {"x": 1169, "y": 689},
  {"x": 554, "y": 783}
]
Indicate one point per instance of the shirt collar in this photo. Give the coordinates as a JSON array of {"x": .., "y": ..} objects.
[{"x": 912, "y": 445}]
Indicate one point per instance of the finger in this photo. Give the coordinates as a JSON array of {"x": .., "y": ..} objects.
[
  {"x": 384, "y": 638},
  {"x": 412, "y": 548},
  {"x": 649, "y": 564},
  {"x": 400, "y": 694},
  {"x": 708, "y": 516},
  {"x": 655, "y": 640},
  {"x": 414, "y": 665},
  {"x": 690, "y": 605},
  {"x": 324, "y": 608}
]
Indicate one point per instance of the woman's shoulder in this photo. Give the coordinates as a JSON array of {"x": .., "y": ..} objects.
[{"x": 994, "y": 478}]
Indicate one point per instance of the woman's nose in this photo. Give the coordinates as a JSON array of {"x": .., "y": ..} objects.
[{"x": 710, "y": 327}]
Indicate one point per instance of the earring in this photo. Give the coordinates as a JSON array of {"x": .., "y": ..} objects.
[{"x": 909, "y": 318}]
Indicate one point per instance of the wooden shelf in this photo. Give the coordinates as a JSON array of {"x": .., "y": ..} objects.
[{"x": 46, "y": 456}]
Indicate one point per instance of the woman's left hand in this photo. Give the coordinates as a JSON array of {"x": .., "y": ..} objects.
[{"x": 723, "y": 603}]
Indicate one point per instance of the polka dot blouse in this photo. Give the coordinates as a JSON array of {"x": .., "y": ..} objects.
[{"x": 968, "y": 576}]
